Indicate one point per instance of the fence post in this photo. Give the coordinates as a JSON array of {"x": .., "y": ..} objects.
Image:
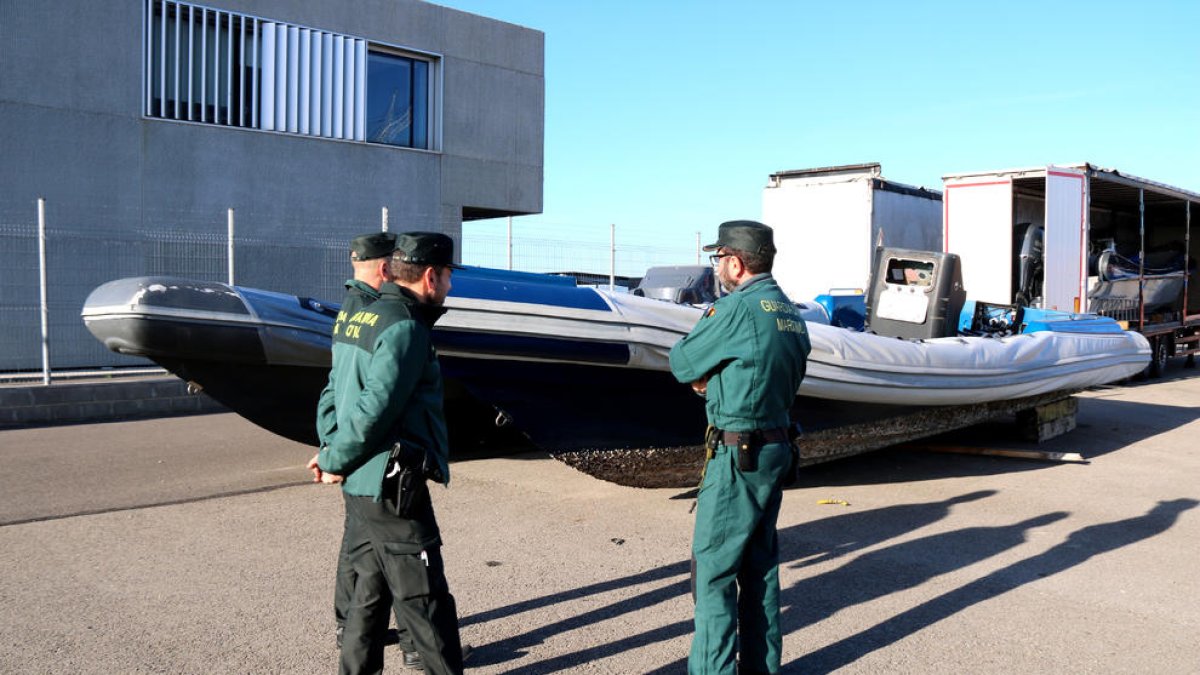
[
  {"x": 230, "y": 246},
  {"x": 612, "y": 257},
  {"x": 510, "y": 243},
  {"x": 45, "y": 307},
  {"x": 384, "y": 216}
]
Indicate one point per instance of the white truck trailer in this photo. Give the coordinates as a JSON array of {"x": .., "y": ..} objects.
[
  {"x": 1109, "y": 243},
  {"x": 829, "y": 220}
]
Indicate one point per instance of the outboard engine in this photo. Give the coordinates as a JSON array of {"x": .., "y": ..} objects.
[
  {"x": 681, "y": 284},
  {"x": 915, "y": 294},
  {"x": 1031, "y": 263}
]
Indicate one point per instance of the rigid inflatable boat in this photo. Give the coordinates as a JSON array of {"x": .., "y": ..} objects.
[{"x": 576, "y": 367}]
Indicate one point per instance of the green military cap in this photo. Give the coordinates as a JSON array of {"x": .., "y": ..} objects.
[
  {"x": 426, "y": 248},
  {"x": 372, "y": 245},
  {"x": 744, "y": 235}
]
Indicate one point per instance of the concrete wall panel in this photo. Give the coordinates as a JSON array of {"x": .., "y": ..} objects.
[
  {"x": 81, "y": 56},
  {"x": 284, "y": 180},
  {"x": 84, "y": 164},
  {"x": 495, "y": 43},
  {"x": 493, "y": 113},
  {"x": 474, "y": 182}
]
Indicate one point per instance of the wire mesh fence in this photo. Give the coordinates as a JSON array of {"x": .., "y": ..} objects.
[
  {"x": 83, "y": 251},
  {"x": 598, "y": 250},
  {"x": 20, "y": 295}
]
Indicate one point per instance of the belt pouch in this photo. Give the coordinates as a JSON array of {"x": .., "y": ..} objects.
[
  {"x": 747, "y": 453},
  {"x": 403, "y": 479},
  {"x": 406, "y": 490}
]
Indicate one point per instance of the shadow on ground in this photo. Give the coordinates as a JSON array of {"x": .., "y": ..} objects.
[
  {"x": 1104, "y": 426},
  {"x": 864, "y": 578}
]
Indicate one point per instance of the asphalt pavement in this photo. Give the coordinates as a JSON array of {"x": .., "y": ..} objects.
[{"x": 197, "y": 545}]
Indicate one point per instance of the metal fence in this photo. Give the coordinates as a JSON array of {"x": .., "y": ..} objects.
[
  {"x": 602, "y": 250},
  {"x": 76, "y": 253}
]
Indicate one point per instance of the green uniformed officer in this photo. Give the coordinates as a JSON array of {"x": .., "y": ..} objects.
[
  {"x": 747, "y": 356},
  {"x": 370, "y": 257},
  {"x": 386, "y": 419}
]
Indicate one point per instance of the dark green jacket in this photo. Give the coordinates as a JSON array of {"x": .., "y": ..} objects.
[
  {"x": 753, "y": 346},
  {"x": 386, "y": 387},
  {"x": 358, "y": 296}
]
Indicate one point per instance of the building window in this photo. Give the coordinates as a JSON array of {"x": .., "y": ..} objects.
[
  {"x": 397, "y": 100},
  {"x": 210, "y": 66}
]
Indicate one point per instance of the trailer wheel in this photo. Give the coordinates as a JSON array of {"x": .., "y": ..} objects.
[{"x": 1160, "y": 348}]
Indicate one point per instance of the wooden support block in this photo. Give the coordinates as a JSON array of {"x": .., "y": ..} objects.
[{"x": 1049, "y": 420}]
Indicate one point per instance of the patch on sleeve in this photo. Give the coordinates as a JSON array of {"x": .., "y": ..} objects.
[{"x": 711, "y": 311}]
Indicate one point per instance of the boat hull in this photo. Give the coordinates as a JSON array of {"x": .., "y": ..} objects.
[{"x": 575, "y": 370}]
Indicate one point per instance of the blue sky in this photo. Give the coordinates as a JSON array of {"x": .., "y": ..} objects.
[{"x": 668, "y": 117}]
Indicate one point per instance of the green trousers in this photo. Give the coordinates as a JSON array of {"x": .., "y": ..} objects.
[{"x": 735, "y": 559}]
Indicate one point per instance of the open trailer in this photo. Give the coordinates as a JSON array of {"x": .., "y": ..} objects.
[{"x": 1081, "y": 238}]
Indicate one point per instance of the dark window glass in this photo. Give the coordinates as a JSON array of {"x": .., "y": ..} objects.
[{"x": 397, "y": 100}]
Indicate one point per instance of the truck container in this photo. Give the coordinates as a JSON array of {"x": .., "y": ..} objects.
[
  {"x": 828, "y": 222},
  {"x": 1081, "y": 238}
]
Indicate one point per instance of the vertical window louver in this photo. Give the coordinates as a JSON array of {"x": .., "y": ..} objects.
[
  {"x": 313, "y": 82},
  {"x": 202, "y": 64},
  {"x": 217, "y": 67}
]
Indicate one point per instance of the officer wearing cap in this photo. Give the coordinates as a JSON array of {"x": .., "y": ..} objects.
[
  {"x": 747, "y": 356},
  {"x": 370, "y": 258},
  {"x": 384, "y": 417}
]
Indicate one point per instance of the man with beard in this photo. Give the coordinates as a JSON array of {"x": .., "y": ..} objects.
[
  {"x": 747, "y": 356},
  {"x": 387, "y": 437},
  {"x": 370, "y": 257}
]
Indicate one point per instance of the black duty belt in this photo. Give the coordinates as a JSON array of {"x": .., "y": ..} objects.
[{"x": 764, "y": 436}]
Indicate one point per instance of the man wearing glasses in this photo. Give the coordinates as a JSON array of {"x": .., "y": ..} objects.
[{"x": 747, "y": 357}]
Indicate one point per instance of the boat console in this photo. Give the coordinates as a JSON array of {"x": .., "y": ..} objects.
[{"x": 915, "y": 294}]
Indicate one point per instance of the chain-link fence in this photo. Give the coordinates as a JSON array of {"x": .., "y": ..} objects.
[{"x": 82, "y": 252}]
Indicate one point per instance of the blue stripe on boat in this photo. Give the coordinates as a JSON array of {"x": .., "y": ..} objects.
[
  {"x": 283, "y": 308},
  {"x": 1036, "y": 319},
  {"x": 527, "y": 346},
  {"x": 1096, "y": 325},
  {"x": 535, "y": 289}
]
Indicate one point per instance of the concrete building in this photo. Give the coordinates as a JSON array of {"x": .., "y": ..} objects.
[{"x": 142, "y": 122}]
